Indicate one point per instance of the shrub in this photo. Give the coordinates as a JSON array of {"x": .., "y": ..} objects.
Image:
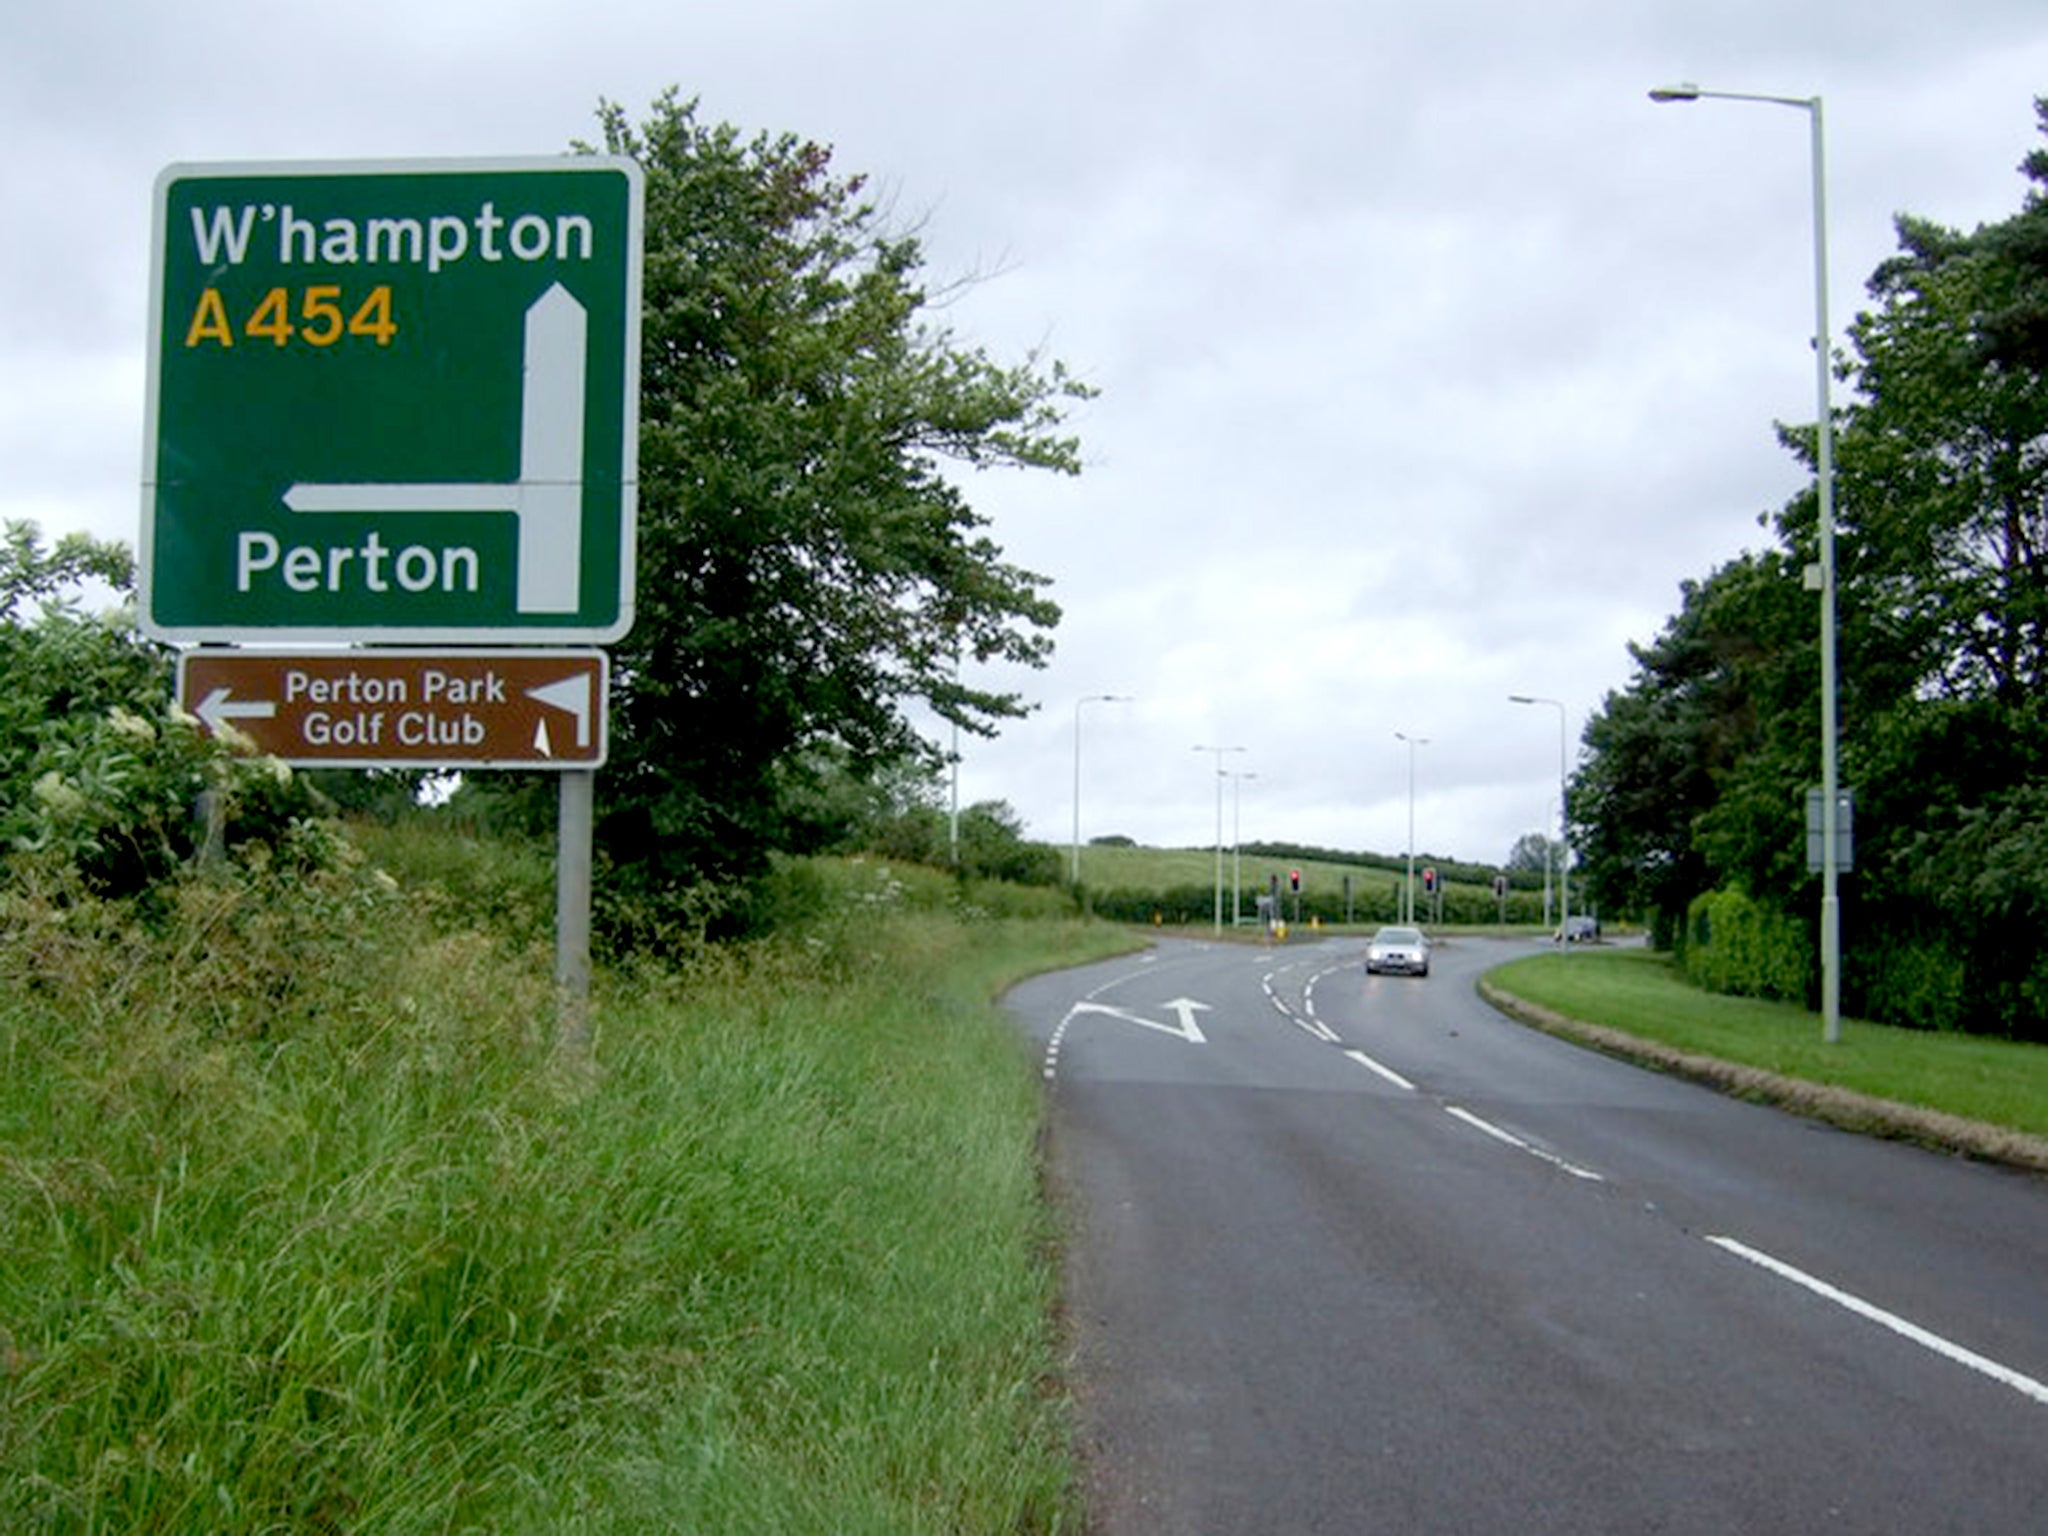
[
  {"x": 99, "y": 776},
  {"x": 1915, "y": 980},
  {"x": 1738, "y": 945}
]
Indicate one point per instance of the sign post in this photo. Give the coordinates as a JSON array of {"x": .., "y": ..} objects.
[{"x": 395, "y": 403}]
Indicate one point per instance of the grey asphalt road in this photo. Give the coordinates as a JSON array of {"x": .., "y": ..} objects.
[{"x": 1356, "y": 1254}]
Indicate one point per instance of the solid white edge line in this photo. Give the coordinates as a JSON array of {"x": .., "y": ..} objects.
[
  {"x": 1384, "y": 1071},
  {"x": 2023, "y": 1384}
]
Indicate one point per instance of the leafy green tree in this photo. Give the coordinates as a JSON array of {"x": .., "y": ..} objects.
[
  {"x": 34, "y": 579},
  {"x": 1946, "y": 510},
  {"x": 1695, "y": 776},
  {"x": 2014, "y": 334},
  {"x": 809, "y": 563},
  {"x": 1944, "y": 484},
  {"x": 892, "y": 809},
  {"x": 993, "y": 846},
  {"x": 1700, "y": 730}
]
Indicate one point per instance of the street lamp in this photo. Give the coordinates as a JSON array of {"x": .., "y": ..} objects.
[
  {"x": 1408, "y": 891},
  {"x": 1092, "y": 698},
  {"x": 1824, "y": 468},
  {"x": 1237, "y": 779},
  {"x": 1219, "y": 751},
  {"x": 1564, "y": 823}
]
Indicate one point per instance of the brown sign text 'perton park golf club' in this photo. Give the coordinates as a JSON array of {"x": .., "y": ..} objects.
[{"x": 398, "y": 708}]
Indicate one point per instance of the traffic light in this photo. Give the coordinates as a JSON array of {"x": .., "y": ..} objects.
[
  {"x": 1429, "y": 882},
  {"x": 1500, "y": 885},
  {"x": 1294, "y": 880}
]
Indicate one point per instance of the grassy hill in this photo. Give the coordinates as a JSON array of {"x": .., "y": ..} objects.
[{"x": 1132, "y": 883}]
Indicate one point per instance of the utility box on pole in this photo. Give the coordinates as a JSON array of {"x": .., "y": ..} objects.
[{"x": 1845, "y": 830}]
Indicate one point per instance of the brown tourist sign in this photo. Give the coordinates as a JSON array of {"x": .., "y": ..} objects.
[{"x": 403, "y": 708}]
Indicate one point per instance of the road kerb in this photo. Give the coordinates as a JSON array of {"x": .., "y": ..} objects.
[{"x": 1843, "y": 1108}]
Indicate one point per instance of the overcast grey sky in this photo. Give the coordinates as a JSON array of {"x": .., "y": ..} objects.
[{"x": 1433, "y": 356}]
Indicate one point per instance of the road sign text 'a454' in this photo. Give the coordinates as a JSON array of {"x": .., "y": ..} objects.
[{"x": 393, "y": 402}]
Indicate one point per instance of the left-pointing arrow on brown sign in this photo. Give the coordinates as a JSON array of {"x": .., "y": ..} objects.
[{"x": 403, "y": 708}]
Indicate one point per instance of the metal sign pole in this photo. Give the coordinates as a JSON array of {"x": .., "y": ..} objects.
[{"x": 572, "y": 910}]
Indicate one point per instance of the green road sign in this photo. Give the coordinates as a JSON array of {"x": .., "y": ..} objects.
[{"x": 393, "y": 402}]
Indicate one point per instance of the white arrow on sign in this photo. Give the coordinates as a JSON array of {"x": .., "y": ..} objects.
[
  {"x": 547, "y": 498},
  {"x": 220, "y": 707},
  {"x": 572, "y": 695},
  {"x": 1185, "y": 1007}
]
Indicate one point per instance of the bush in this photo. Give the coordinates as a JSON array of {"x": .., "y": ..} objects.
[
  {"x": 100, "y": 778},
  {"x": 817, "y": 898},
  {"x": 1737, "y": 945},
  {"x": 1917, "y": 981},
  {"x": 1182, "y": 904}
]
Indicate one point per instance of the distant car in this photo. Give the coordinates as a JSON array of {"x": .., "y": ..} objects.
[
  {"x": 1397, "y": 950},
  {"x": 1581, "y": 929}
]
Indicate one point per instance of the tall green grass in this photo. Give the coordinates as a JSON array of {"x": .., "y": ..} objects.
[{"x": 304, "y": 1226}]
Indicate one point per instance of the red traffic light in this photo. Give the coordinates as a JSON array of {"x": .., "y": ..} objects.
[
  {"x": 1294, "y": 879},
  {"x": 1429, "y": 880}
]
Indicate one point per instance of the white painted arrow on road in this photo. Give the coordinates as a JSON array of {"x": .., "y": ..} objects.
[
  {"x": 1185, "y": 1007},
  {"x": 547, "y": 498}
]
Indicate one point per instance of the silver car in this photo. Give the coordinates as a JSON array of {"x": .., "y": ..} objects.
[{"x": 1403, "y": 951}]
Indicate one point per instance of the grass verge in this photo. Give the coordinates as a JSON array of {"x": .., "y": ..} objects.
[
  {"x": 305, "y": 1227},
  {"x": 1982, "y": 1097}
]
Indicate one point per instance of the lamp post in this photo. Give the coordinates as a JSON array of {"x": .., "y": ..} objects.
[
  {"x": 1824, "y": 475},
  {"x": 953, "y": 813},
  {"x": 1564, "y": 847},
  {"x": 1408, "y": 890},
  {"x": 1092, "y": 698},
  {"x": 1237, "y": 779},
  {"x": 1219, "y": 751}
]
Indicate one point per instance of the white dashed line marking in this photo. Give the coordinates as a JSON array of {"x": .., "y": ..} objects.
[
  {"x": 1384, "y": 1071},
  {"x": 1306, "y": 1022},
  {"x": 1515, "y": 1141},
  {"x": 2025, "y": 1385}
]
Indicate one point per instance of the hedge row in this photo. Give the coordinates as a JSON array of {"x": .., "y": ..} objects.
[
  {"x": 1374, "y": 899},
  {"x": 1736, "y": 945}
]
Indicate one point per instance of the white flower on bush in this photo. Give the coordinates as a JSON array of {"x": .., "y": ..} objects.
[
  {"x": 234, "y": 738},
  {"x": 134, "y": 727},
  {"x": 58, "y": 797},
  {"x": 888, "y": 893}
]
